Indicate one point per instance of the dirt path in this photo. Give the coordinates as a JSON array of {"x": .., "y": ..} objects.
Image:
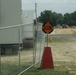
[
  {"x": 64, "y": 31},
  {"x": 64, "y": 52}
]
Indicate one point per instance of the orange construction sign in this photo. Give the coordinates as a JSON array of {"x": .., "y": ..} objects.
[{"x": 47, "y": 28}]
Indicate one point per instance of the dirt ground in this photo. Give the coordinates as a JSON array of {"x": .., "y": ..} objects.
[
  {"x": 64, "y": 51},
  {"x": 65, "y": 31}
]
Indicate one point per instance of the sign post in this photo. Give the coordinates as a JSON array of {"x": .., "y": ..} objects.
[
  {"x": 47, "y": 40},
  {"x": 47, "y": 60},
  {"x": 47, "y": 29}
]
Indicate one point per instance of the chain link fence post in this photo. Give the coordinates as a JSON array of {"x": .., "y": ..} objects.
[
  {"x": 0, "y": 59},
  {"x": 19, "y": 45}
]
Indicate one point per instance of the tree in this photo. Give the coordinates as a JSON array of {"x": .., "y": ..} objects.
[
  {"x": 47, "y": 16},
  {"x": 73, "y": 17},
  {"x": 54, "y": 18},
  {"x": 57, "y": 18},
  {"x": 67, "y": 18}
]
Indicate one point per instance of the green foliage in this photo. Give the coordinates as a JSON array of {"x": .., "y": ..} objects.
[
  {"x": 45, "y": 16},
  {"x": 57, "y": 18},
  {"x": 49, "y": 16}
]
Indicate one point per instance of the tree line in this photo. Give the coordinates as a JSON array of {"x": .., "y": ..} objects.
[{"x": 57, "y": 18}]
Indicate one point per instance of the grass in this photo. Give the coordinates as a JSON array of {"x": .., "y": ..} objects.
[
  {"x": 61, "y": 69},
  {"x": 10, "y": 63},
  {"x": 9, "y": 68},
  {"x": 60, "y": 39}
]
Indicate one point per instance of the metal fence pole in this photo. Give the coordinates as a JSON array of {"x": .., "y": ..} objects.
[
  {"x": 34, "y": 44},
  {"x": 33, "y": 54},
  {"x": 0, "y": 59},
  {"x": 0, "y": 45},
  {"x": 40, "y": 46},
  {"x": 19, "y": 46}
]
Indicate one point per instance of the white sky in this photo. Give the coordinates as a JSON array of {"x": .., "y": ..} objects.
[{"x": 59, "y": 6}]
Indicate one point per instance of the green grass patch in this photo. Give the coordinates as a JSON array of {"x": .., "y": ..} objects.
[
  {"x": 61, "y": 69},
  {"x": 9, "y": 68},
  {"x": 59, "y": 39}
]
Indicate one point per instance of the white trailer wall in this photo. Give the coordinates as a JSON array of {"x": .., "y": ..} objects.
[
  {"x": 28, "y": 31},
  {"x": 12, "y": 35},
  {"x": 9, "y": 36},
  {"x": 10, "y": 12},
  {"x": 27, "y": 16}
]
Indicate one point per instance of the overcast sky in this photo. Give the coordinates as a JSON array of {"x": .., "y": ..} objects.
[{"x": 59, "y": 6}]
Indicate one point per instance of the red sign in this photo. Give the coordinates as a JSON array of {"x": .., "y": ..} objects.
[{"x": 47, "y": 28}]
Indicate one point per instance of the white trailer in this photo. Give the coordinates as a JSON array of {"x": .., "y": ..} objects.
[
  {"x": 11, "y": 33},
  {"x": 10, "y": 12},
  {"x": 12, "y": 37},
  {"x": 27, "y": 16}
]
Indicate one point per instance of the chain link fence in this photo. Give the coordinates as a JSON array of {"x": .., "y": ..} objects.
[{"x": 20, "y": 48}]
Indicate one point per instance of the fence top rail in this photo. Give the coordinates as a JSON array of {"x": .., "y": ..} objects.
[{"x": 19, "y": 25}]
